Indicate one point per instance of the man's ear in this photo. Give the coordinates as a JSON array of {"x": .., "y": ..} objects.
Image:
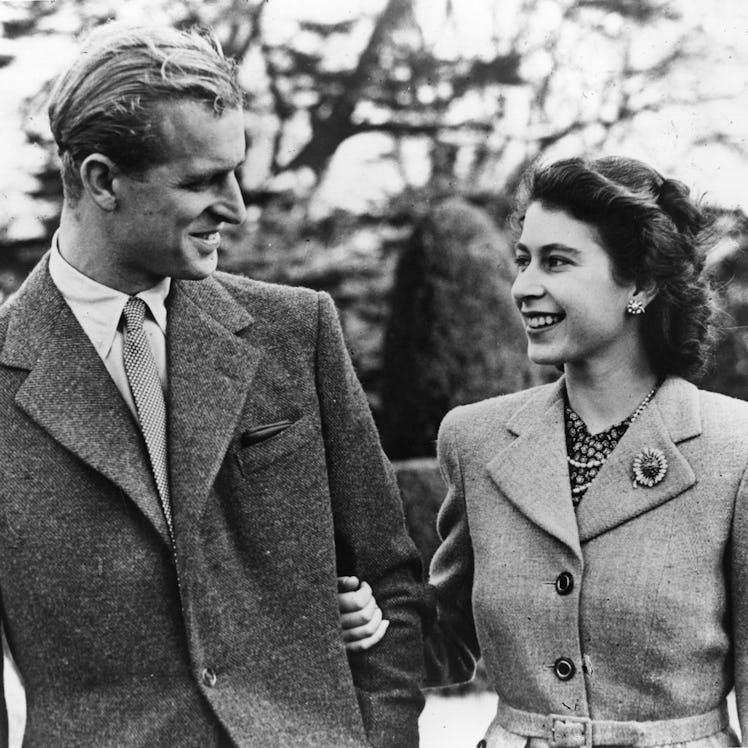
[{"x": 97, "y": 174}]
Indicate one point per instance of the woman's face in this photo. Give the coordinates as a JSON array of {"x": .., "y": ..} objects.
[{"x": 573, "y": 308}]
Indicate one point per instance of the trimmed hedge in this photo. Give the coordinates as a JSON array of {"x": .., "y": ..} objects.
[{"x": 453, "y": 335}]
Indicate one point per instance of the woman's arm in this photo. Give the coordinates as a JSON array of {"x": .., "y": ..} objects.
[
  {"x": 739, "y": 601},
  {"x": 451, "y": 646}
]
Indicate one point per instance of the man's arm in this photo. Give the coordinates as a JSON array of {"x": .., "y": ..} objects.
[
  {"x": 372, "y": 543},
  {"x": 4, "y": 737}
]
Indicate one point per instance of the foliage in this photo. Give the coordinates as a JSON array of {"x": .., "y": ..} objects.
[
  {"x": 488, "y": 87},
  {"x": 728, "y": 263},
  {"x": 485, "y": 86},
  {"x": 454, "y": 336}
]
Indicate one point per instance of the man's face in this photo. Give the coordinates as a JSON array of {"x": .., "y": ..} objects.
[{"x": 168, "y": 219}]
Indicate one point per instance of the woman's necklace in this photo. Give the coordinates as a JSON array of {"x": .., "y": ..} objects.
[{"x": 585, "y": 471}]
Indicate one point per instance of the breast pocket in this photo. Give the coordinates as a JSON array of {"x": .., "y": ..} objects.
[{"x": 265, "y": 445}]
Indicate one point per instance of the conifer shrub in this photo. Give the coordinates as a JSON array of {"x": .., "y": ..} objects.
[{"x": 453, "y": 334}]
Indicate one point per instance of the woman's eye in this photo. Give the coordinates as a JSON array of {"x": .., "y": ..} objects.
[
  {"x": 521, "y": 262},
  {"x": 555, "y": 262}
]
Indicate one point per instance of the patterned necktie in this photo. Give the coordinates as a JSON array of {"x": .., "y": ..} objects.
[{"x": 148, "y": 395}]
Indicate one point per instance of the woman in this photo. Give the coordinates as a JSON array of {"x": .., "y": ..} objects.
[{"x": 595, "y": 530}]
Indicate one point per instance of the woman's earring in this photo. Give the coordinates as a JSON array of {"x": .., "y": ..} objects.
[{"x": 635, "y": 306}]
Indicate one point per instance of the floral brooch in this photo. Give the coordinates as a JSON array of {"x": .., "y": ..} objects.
[{"x": 650, "y": 467}]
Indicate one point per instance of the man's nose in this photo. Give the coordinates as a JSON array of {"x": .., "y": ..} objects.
[{"x": 230, "y": 205}]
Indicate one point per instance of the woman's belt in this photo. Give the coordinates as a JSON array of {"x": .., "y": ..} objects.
[{"x": 565, "y": 731}]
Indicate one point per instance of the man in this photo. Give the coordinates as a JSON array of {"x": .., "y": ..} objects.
[{"x": 186, "y": 457}]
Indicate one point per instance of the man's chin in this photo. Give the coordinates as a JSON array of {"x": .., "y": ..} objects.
[{"x": 199, "y": 270}]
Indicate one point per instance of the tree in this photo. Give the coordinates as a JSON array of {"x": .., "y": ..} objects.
[
  {"x": 454, "y": 336},
  {"x": 602, "y": 68},
  {"x": 728, "y": 267},
  {"x": 528, "y": 88}
]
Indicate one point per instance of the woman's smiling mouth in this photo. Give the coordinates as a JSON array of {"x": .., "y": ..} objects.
[{"x": 538, "y": 321}]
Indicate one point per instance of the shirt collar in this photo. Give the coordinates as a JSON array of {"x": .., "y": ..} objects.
[{"x": 97, "y": 307}]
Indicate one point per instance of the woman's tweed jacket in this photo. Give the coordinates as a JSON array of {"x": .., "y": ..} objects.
[
  {"x": 657, "y": 620},
  {"x": 114, "y": 648}
]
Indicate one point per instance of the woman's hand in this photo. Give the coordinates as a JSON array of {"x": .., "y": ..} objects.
[{"x": 360, "y": 617}]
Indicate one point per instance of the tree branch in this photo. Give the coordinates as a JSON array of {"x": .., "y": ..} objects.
[{"x": 329, "y": 130}]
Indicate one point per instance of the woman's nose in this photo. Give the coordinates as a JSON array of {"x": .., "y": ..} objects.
[{"x": 527, "y": 284}]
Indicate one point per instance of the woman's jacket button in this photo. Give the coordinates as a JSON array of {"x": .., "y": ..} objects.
[
  {"x": 564, "y": 583},
  {"x": 564, "y": 668}
]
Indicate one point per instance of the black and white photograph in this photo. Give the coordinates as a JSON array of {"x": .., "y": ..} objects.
[{"x": 374, "y": 373}]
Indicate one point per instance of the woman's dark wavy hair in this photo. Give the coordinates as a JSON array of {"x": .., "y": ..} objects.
[{"x": 653, "y": 232}]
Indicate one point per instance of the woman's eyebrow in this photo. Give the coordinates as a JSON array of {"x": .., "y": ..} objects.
[
  {"x": 559, "y": 247},
  {"x": 548, "y": 248}
]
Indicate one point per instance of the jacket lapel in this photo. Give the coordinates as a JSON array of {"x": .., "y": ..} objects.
[
  {"x": 210, "y": 369},
  {"x": 69, "y": 393},
  {"x": 532, "y": 472},
  {"x": 612, "y": 498}
]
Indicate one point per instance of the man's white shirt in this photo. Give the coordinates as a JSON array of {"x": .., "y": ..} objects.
[{"x": 98, "y": 310}]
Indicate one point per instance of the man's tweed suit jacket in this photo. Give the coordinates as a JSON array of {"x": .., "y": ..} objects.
[
  {"x": 652, "y": 607},
  {"x": 237, "y": 642}
]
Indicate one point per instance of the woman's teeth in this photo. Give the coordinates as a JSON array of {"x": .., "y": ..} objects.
[{"x": 543, "y": 320}]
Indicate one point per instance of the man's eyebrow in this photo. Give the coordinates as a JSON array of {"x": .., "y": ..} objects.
[{"x": 210, "y": 173}]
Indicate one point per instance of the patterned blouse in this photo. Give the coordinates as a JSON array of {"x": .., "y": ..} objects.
[{"x": 587, "y": 452}]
